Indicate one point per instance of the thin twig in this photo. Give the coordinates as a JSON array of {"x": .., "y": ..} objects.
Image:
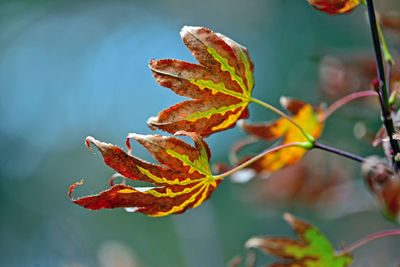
[
  {"x": 338, "y": 152},
  {"x": 389, "y": 78},
  {"x": 274, "y": 109},
  {"x": 306, "y": 145},
  {"x": 384, "y": 98},
  {"x": 367, "y": 239},
  {"x": 252, "y": 160},
  {"x": 344, "y": 100}
]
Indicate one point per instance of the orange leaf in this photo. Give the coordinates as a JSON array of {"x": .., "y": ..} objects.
[
  {"x": 184, "y": 183},
  {"x": 333, "y": 7},
  {"x": 220, "y": 86},
  {"x": 305, "y": 116}
]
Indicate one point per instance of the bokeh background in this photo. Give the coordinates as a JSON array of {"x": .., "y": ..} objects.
[{"x": 69, "y": 69}]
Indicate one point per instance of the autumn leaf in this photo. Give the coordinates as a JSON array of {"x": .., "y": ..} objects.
[
  {"x": 220, "y": 86},
  {"x": 384, "y": 185},
  {"x": 333, "y": 7},
  {"x": 185, "y": 181},
  {"x": 317, "y": 181},
  {"x": 304, "y": 115},
  {"x": 312, "y": 250}
]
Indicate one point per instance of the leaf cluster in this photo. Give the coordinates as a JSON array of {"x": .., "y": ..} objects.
[{"x": 219, "y": 89}]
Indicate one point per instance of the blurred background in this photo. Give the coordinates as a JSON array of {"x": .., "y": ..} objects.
[{"x": 69, "y": 69}]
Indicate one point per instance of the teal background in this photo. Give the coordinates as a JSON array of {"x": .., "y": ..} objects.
[{"x": 69, "y": 69}]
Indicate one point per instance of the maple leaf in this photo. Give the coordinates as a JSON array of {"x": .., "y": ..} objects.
[
  {"x": 333, "y": 7},
  {"x": 312, "y": 250},
  {"x": 220, "y": 86},
  {"x": 184, "y": 183},
  {"x": 305, "y": 116}
]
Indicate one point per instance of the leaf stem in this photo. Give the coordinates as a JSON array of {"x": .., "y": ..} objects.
[
  {"x": 388, "y": 59},
  {"x": 384, "y": 98},
  {"x": 306, "y": 145},
  {"x": 344, "y": 100},
  {"x": 274, "y": 109},
  {"x": 389, "y": 79},
  {"x": 386, "y": 53},
  {"x": 250, "y": 161},
  {"x": 367, "y": 239},
  {"x": 338, "y": 151}
]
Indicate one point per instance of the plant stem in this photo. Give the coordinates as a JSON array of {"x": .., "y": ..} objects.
[
  {"x": 339, "y": 152},
  {"x": 274, "y": 109},
  {"x": 306, "y": 145},
  {"x": 384, "y": 99},
  {"x": 393, "y": 96},
  {"x": 368, "y": 239},
  {"x": 344, "y": 100},
  {"x": 250, "y": 161},
  {"x": 388, "y": 58},
  {"x": 386, "y": 53},
  {"x": 389, "y": 79}
]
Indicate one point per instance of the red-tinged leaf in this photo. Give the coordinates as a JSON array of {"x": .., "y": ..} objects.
[
  {"x": 333, "y": 7},
  {"x": 312, "y": 250},
  {"x": 384, "y": 184},
  {"x": 305, "y": 116},
  {"x": 220, "y": 86},
  {"x": 185, "y": 181}
]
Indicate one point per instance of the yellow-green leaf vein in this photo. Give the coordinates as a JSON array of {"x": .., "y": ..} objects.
[{"x": 208, "y": 113}]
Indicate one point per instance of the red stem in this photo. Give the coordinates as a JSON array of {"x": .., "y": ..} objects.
[
  {"x": 367, "y": 239},
  {"x": 344, "y": 100}
]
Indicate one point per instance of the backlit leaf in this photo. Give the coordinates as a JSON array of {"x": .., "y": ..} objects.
[
  {"x": 333, "y": 7},
  {"x": 220, "y": 86},
  {"x": 312, "y": 250},
  {"x": 305, "y": 116},
  {"x": 185, "y": 181}
]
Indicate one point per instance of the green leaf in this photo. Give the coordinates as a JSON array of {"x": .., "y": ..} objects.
[{"x": 312, "y": 250}]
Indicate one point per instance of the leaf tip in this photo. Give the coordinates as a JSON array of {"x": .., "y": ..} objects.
[
  {"x": 152, "y": 122},
  {"x": 152, "y": 64},
  {"x": 71, "y": 188},
  {"x": 89, "y": 140},
  {"x": 253, "y": 242},
  {"x": 103, "y": 147},
  {"x": 138, "y": 137},
  {"x": 113, "y": 177},
  {"x": 186, "y": 29},
  {"x": 132, "y": 136},
  {"x": 289, "y": 217},
  {"x": 299, "y": 226}
]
